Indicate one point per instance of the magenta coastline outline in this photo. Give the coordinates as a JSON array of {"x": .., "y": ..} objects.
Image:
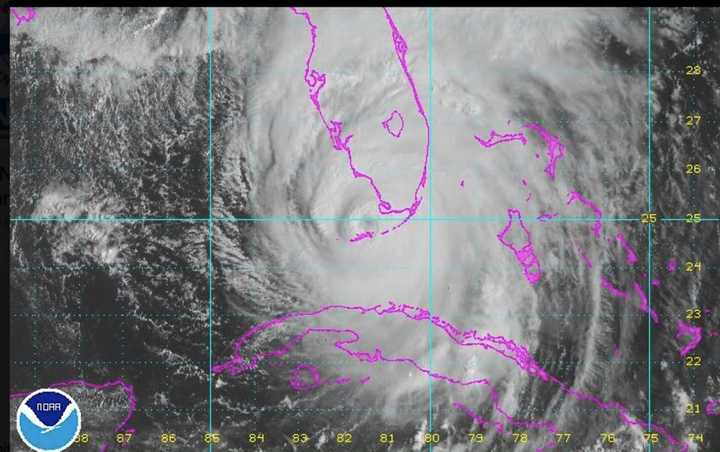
[
  {"x": 713, "y": 408},
  {"x": 496, "y": 138},
  {"x": 695, "y": 333},
  {"x": 20, "y": 18},
  {"x": 506, "y": 348},
  {"x": 316, "y": 80},
  {"x": 126, "y": 387},
  {"x": 388, "y": 124},
  {"x": 525, "y": 255},
  {"x": 299, "y": 385},
  {"x": 576, "y": 196},
  {"x": 632, "y": 256},
  {"x": 555, "y": 149}
]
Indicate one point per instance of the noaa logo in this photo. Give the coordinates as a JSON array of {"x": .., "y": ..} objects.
[{"x": 48, "y": 420}]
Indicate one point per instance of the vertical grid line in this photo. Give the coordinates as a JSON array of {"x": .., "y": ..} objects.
[
  {"x": 649, "y": 320},
  {"x": 430, "y": 225},
  {"x": 210, "y": 223},
  {"x": 36, "y": 379},
  {"x": 649, "y": 109},
  {"x": 649, "y": 226}
]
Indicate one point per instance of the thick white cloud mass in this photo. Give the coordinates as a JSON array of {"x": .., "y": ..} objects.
[{"x": 300, "y": 217}]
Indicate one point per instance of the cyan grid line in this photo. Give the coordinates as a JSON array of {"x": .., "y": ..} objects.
[
  {"x": 251, "y": 268},
  {"x": 35, "y": 137},
  {"x": 36, "y": 377},
  {"x": 115, "y": 363},
  {"x": 685, "y": 220},
  {"x": 130, "y": 268},
  {"x": 402, "y": 407},
  {"x": 210, "y": 158},
  {"x": 79, "y": 354},
  {"x": 569, "y": 363},
  {"x": 430, "y": 225},
  {"x": 137, "y": 316},
  {"x": 501, "y": 219},
  {"x": 471, "y": 219},
  {"x": 201, "y": 363},
  {"x": 174, "y": 72},
  {"x": 649, "y": 226},
  {"x": 142, "y": 315},
  {"x": 549, "y": 362}
]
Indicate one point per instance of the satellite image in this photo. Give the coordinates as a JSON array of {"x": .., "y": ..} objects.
[{"x": 364, "y": 229}]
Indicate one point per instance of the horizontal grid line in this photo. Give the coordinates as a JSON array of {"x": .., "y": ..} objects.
[
  {"x": 79, "y": 362},
  {"x": 230, "y": 269},
  {"x": 502, "y": 218},
  {"x": 142, "y": 316},
  {"x": 200, "y": 364},
  {"x": 245, "y": 267},
  {"x": 269, "y": 408},
  {"x": 449, "y": 219},
  {"x": 151, "y": 72},
  {"x": 685, "y": 219}
]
